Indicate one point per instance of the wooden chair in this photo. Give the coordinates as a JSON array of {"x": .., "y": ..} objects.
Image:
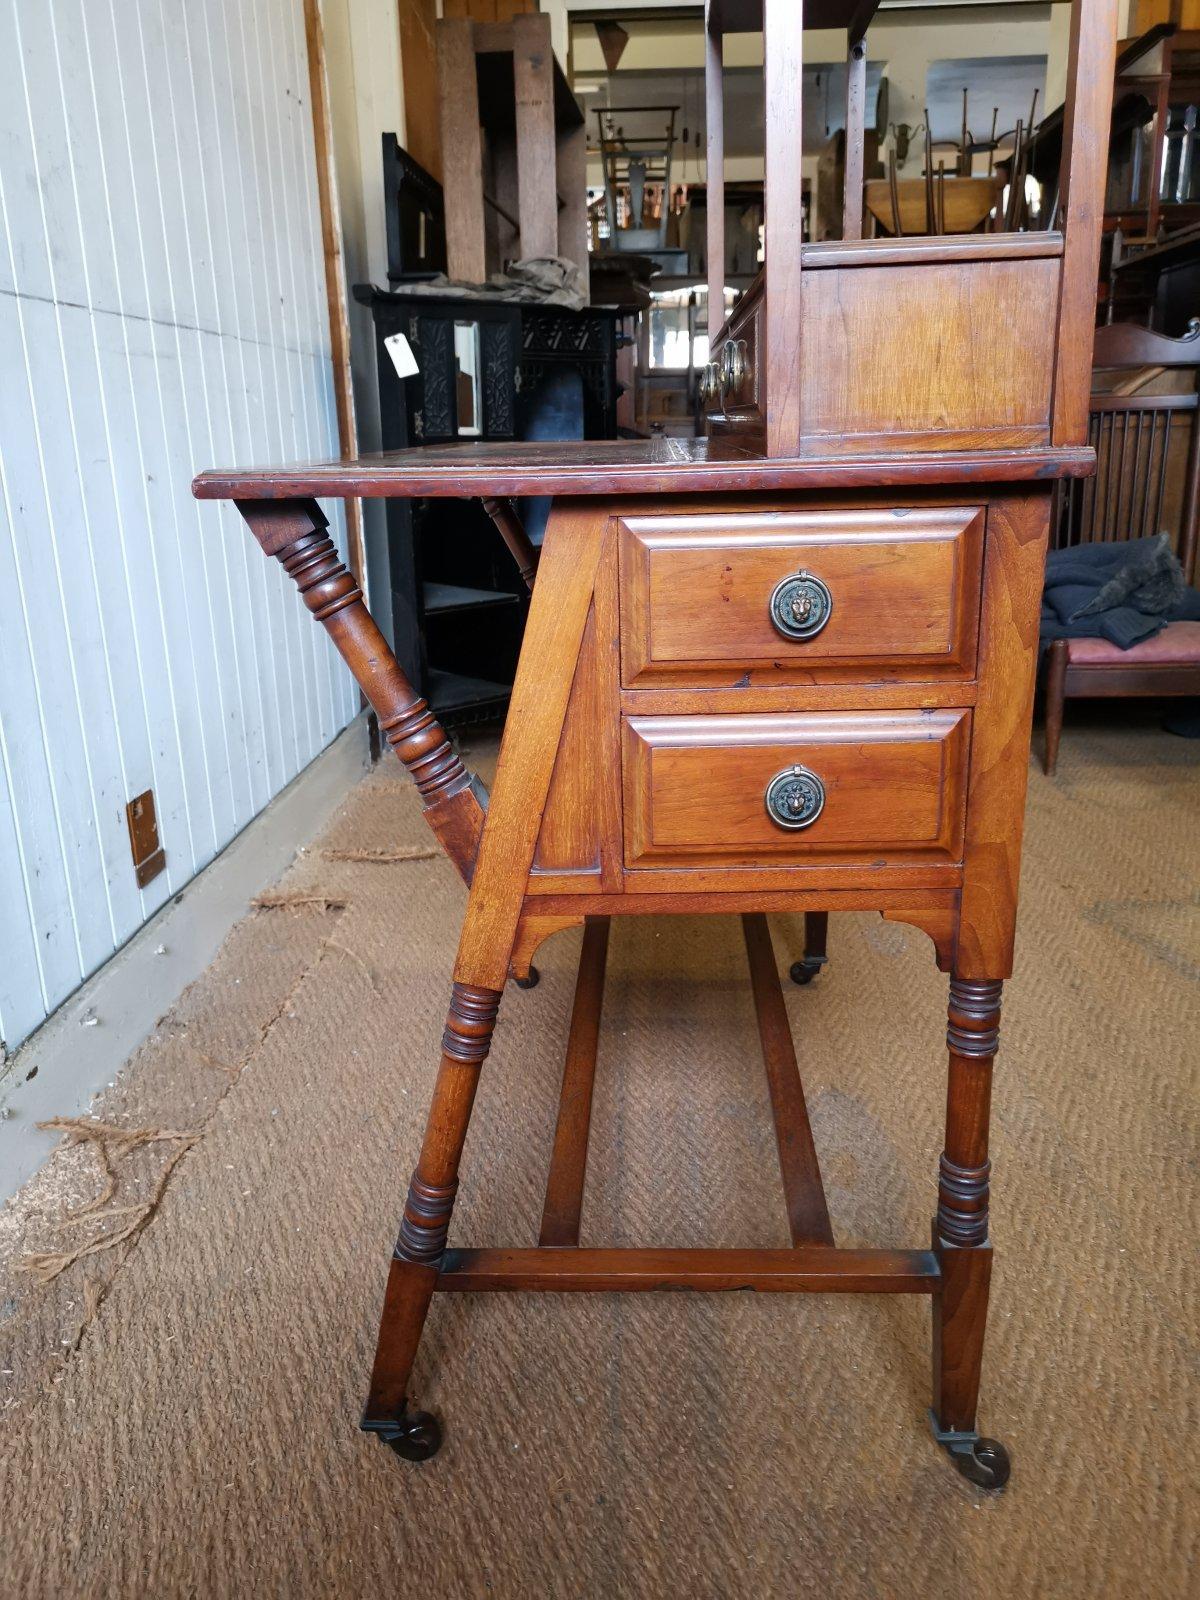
[{"x": 1134, "y": 494}]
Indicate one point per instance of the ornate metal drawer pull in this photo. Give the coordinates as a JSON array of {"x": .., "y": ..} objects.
[
  {"x": 795, "y": 798},
  {"x": 801, "y": 606},
  {"x": 735, "y": 368}
]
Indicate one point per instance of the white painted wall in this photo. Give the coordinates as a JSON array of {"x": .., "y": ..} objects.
[
  {"x": 366, "y": 99},
  {"x": 162, "y": 309}
]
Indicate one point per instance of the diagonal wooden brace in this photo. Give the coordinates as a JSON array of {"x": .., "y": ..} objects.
[
  {"x": 512, "y": 530},
  {"x": 294, "y": 531}
]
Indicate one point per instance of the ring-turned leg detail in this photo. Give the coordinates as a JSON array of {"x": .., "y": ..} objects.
[
  {"x": 960, "y": 1234},
  {"x": 425, "y": 1225}
]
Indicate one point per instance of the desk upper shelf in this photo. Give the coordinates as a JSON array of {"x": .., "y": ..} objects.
[
  {"x": 746, "y": 16},
  {"x": 626, "y": 467}
]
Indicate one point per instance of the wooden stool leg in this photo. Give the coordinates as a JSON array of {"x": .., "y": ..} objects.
[
  {"x": 426, "y": 1222},
  {"x": 816, "y": 939},
  {"x": 960, "y": 1234},
  {"x": 1056, "y": 694}
]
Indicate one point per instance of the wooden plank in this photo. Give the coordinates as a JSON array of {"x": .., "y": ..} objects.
[
  {"x": 537, "y": 177},
  {"x": 418, "y": 63},
  {"x": 1083, "y": 180},
  {"x": 652, "y": 466},
  {"x": 714, "y": 78},
  {"x": 791, "y": 901},
  {"x": 810, "y": 1270},
  {"x": 883, "y": 252},
  {"x": 572, "y": 186},
  {"x": 856, "y": 112},
  {"x": 808, "y": 1214},
  {"x": 784, "y": 71},
  {"x": 563, "y": 1208},
  {"x": 462, "y": 151},
  {"x": 335, "y": 268}
]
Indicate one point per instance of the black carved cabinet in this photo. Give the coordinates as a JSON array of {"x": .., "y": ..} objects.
[{"x": 486, "y": 370}]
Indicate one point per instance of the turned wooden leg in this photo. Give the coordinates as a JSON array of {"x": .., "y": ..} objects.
[
  {"x": 295, "y": 532},
  {"x": 816, "y": 937},
  {"x": 512, "y": 530},
  {"x": 425, "y": 1224},
  {"x": 1056, "y": 694},
  {"x": 960, "y": 1234}
]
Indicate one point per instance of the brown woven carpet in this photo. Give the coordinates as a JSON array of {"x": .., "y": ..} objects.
[{"x": 179, "y": 1412}]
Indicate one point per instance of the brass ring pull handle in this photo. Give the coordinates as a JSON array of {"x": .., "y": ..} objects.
[
  {"x": 801, "y": 606},
  {"x": 795, "y": 798},
  {"x": 734, "y": 369}
]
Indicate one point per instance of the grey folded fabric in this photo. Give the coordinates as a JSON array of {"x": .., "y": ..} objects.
[{"x": 1124, "y": 591}]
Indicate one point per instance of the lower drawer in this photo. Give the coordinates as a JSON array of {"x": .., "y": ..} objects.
[{"x": 870, "y": 788}]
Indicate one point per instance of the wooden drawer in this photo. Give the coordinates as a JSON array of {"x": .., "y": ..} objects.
[
  {"x": 902, "y": 588},
  {"x": 892, "y": 783}
]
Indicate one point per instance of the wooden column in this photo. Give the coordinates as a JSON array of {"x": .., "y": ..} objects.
[
  {"x": 462, "y": 151},
  {"x": 784, "y": 35},
  {"x": 960, "y": 1231},
  {"x": 714, "y": 76},
  {"x": 1090, "y": 71},
  {"x": 856, "y": 130},
  {"x": 537, "y": 179}
]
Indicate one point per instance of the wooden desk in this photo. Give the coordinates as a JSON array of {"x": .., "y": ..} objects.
[
  {"x": 789, "y": 669},
  {"x": 672, "y": 747}
]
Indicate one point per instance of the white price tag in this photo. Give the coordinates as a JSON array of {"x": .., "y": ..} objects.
[{"x": 398, "y": 347}]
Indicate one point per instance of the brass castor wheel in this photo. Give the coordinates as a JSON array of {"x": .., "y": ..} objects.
[
  {"x": 983, "y": 1462},
  {"x": 805, "y": 971},
  {"x": 415, "y": 1435},
  {"x": 531, "y": 982}
]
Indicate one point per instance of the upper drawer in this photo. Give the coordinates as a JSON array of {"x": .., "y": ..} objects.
[{"x": 800, "y": 597}]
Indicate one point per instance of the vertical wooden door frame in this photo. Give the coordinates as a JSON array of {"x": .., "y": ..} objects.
[{"x": 335, "y": 272}]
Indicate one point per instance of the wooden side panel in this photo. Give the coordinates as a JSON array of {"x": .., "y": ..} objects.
[
  {"x": 570, "y": 838},
  {"x": 558, "y": 616},
  {"x": 695, "y": 788},
  {"x": 579, "y": 847},
  {"x": 904, "y": 585},
  {"x": 1018, "y": 532},
  {"x": 939, "y": 355}
]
